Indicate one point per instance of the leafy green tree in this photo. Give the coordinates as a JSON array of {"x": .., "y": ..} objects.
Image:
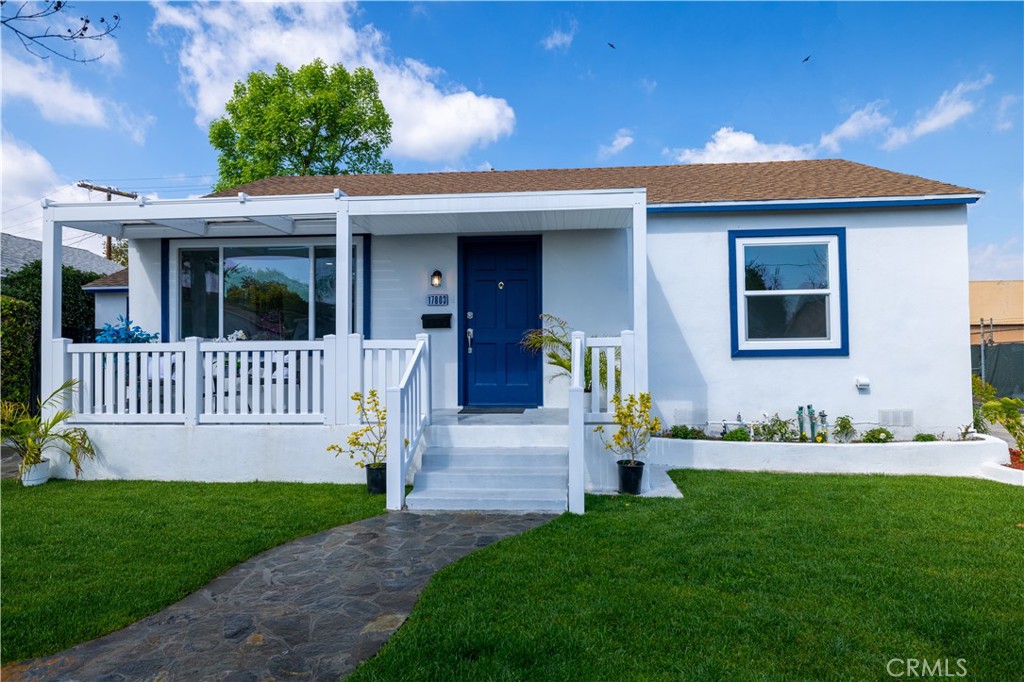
[
  {"x": 318, "y": 120},
  {"x": 119, "y": 251}
]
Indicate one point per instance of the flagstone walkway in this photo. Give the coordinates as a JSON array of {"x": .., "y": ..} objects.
[{"x": 311, "y": 609}]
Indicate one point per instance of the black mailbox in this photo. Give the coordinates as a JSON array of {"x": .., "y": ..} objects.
[{"x": 437, "y": 321}]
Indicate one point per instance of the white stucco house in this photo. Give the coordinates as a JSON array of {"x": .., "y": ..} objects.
[{"x": 724, "y": 290}]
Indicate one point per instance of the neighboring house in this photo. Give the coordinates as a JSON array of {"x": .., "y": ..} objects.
[
  {"x": 17, "y": 252},
  {"x": 1000, "y": 303},
  {"x": 111, "y": 295},
  {"x": 727, "y": 291}
]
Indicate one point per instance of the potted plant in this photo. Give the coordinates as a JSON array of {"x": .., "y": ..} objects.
[
  {"x": 30, "y": 435},
  {"x": 370, "y": 442},
  {"x": 554, "y": 339},
  {"x": 636, "y": 427}
]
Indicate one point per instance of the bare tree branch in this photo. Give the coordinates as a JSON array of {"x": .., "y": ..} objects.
[{"x": 32, "y": 24}]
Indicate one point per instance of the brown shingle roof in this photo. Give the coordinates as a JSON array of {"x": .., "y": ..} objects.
[
  {"x": 778, "y": 180},
  {"x": 111, "y": 281}
]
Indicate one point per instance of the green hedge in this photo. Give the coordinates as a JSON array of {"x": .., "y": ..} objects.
[
  {"x": 78, "y": 317},
  {"x": 19, "y": 336}
]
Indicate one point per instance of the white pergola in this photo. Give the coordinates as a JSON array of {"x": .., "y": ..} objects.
[{"x": 341, "y": 215}]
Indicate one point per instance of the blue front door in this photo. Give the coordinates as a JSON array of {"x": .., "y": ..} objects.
[{"x": 500, "y": 287}]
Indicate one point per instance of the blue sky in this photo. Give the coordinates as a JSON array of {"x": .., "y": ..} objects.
[{"x": 932, "y": 89}]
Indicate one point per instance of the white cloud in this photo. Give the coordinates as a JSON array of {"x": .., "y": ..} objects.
[
  {"x": 222, "y": 43},
  {"x": 1004, "y": 118},
  {"x": 736, "y": 146},
  {"x": 59, "y": 100},
  {"x": 998, "y": 261},
  {"x": 623, "y": 138},
  {"x": 952, "y": 106},
  {"x": 648, "y": 85},
  {"x": 560, "y": 39},
  {"x": 868, "y": 119},
  {"x": 27, "y": 177}
]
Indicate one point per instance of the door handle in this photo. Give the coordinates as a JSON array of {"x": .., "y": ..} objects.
[{"x": 469, "y": 340}]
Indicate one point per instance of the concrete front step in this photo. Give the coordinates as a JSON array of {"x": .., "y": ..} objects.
[
  {"x": 474, "y": 499},
  {"x": 491, "y": 478},
  {"x": 491, "y": 457},
  {"x": 505, "y": 435}
]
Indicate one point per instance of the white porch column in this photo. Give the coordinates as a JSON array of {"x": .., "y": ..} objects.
[
  {"x": 52, "y": 284},
  {"x": 343, "y": 312},
  {"x": 639, "y": 271}
]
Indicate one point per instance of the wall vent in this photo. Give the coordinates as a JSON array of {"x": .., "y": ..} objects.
[{"x": 895, "y": 417}]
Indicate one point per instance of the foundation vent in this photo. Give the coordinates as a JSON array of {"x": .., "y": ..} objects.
[{"x": 896, "y": 418}]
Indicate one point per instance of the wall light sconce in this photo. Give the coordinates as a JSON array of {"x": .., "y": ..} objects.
[{"x": 435, "y": 279}]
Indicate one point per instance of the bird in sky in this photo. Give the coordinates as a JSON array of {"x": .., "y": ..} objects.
[
  {"x": 612, "y": 45},
  {"x": 806, "y": 59}
]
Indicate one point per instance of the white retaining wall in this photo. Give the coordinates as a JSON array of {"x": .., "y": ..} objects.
[
  {"x": 980, "y": 458},
  {"x": 217, "y": 453},
  {"x": 939, "y": 458}
]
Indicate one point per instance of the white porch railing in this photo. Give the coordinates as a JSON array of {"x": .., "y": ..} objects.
[
  {"x": 612, "y": 372},
  {"x": 126, "y": 382},
  {"x": 409, "y": 408},
  {"x": 262, "y": 381}
]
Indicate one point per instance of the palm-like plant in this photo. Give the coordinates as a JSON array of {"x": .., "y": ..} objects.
[
  {"x": 30, "y": 435},
  {"x": 554, "y": 339}
]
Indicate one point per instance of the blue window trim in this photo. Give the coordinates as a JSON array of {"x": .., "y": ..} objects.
[
  {"x": 165, "y": 289},
  {"x": 844, "y": 325},
  {"x": 809, "y": 206},
  {"x": 366, "y": 285}
]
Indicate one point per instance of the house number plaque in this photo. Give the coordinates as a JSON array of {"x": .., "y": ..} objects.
[{"x": 437, "y": 299}]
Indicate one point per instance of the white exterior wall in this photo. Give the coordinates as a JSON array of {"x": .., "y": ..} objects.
[
  {"x": 216, "y": 453},
  {"x": 400, "y": 269},
  {"x": 584, "y": 279},
  {"x": 109, "y": 304},
  {"x": 908, "y": 312},
  {"x": 144, "y": 284}
]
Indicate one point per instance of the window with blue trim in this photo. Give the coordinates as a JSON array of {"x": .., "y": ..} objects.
[{"x": 788, "y": 291}]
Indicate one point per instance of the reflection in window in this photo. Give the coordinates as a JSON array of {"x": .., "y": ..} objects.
[
  {"x": 266, "y": 292},
  {"x": 324, "y": 289},
  {"x": 199, "y": 280}
]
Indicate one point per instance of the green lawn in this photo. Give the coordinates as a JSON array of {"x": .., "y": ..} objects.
[
  {"x": 80, "y": 559},
  {"x": 750, "y": 577}
]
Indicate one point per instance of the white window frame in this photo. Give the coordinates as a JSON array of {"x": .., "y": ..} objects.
[
  {"x": 174, "y": 271},
  {"x": 835, "y": 343}
]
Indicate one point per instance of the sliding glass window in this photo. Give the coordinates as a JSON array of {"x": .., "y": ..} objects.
[{"x": 271, "y": 293}]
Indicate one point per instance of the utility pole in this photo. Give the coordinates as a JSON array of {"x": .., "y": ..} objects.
[{"x": 110, "y": 191}]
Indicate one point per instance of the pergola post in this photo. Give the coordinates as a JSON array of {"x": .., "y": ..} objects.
[
  {"x": 639, "y": 271},
  {"x": 343, "y": 312},
  {"x": 50, "y": 328}
]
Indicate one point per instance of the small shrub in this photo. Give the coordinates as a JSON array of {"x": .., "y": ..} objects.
[
  {"x": 636, "y": 426},
  {"x": 740, "y": 434},
  {"x": 982, "y": 390},
  {"x": 775, "y": 429},
  {"x": 843, "y": 430},
  {"x": 925, "y": 437},
  {"x": 124, "y": 332},
  {"x": 878, "y": 434},
  {"x": 1006, "y": 411},
  {"x": 683, "y": 432},
  {"x": 368, "y": 443}
]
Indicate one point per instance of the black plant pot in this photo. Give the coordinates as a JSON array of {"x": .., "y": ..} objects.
[
  {"x": 631, "y": 474},
  {"x": 377, "y": 479}
]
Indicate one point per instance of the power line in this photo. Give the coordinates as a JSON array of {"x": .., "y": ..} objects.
[{"x": 162, "y": 177}]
